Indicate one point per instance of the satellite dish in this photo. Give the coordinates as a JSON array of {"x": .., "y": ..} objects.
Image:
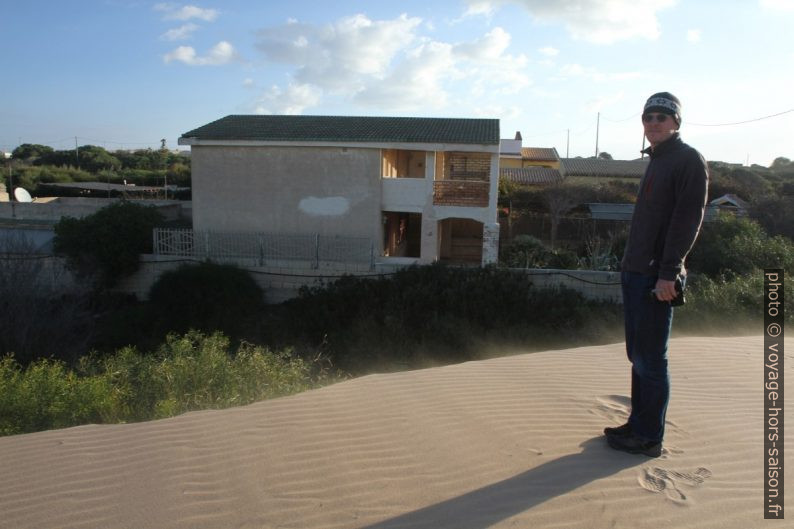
[{"x": 22, "y": 195}]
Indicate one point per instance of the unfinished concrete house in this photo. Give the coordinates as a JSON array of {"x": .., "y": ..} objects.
[{"x": 382, "y": 189}]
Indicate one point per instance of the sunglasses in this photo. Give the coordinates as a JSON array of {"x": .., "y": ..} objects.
[{"x": 650, "y": 118}]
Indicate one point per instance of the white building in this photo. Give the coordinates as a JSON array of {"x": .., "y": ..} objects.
[{"x": 413, "y": 190}]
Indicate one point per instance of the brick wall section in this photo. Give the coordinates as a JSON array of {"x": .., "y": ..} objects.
[
  {"x": 467, "y": 166},
  {"x": 460, "y": 193}
]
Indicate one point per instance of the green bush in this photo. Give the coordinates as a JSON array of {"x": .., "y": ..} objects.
[
  {"x": 189, "y": 372},
  {"x": 435, "y": 314},
  {"x": 47, "y": 395},
  {"x": 776, "y": 212},
  {"x": 722, "y": 305},
  {"x": 108, "y": 243},
  {"x": 732, "y": 246},
  {"x": 207, "y": 296},
  {"x": 196, "y": 371},
  {"x": 527, "y": 251}
]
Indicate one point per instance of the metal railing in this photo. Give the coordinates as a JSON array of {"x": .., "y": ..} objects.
[{"x": 263, "y": 247}]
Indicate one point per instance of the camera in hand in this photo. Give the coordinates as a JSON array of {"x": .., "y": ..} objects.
[{"x": 677, "y": 301}]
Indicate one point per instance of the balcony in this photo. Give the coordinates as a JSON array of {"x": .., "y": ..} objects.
[{"x": 462, "y": 193}]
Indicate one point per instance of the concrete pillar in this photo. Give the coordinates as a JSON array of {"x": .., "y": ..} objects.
[
  {"x": 429, "y": 250},
  {"x": 430, "y": 229},
  {"x": 490, "y": 243}
]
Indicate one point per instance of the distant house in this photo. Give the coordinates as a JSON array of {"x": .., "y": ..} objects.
[
  {"x": 623, "y": 212},
  {"x": 531, "y": 175},
  {"x": 609, "y": 211},
  {"x": 513, "y": 155},
  {"x": 528, "y": 165},
  {"x": 400, "y": 190},
  {"x": 589, "y": 169},
  {"x": 540, "y": 157},
  {"x": 731, "y": 203}
]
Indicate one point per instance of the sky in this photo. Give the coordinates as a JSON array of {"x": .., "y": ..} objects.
[{"x": 568, "y": 74}]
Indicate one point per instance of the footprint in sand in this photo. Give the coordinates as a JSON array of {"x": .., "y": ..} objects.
[{"x": 670, "y": 482}]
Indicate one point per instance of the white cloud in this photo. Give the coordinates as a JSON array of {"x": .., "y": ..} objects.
[
  {"x": 337, "y": 56},
  {"x": 482, "y": 7},
  {"x": 549, "y": 51},
  {"x": 593, "y": 74},
  {"x": 429, "y": 73},
  {"x": 497, "y": 111},
  {"x": 693, "y": 36},
  {"x": 597, "y": 21},
  {"x": 386, "y": 64},
  {"x": 777, "y": 5},
  {"x": 598, "y": 104},
  {"x": 415, "y": 82},
  {"x": 181, "y": 33},
  {"x": 489, "y": 47},
  {"x": 294, "y": 100},
  {"x": 248, "y": 82},
  {"x": 221, "y": 53},
  {"x": 174, "y": 12}
]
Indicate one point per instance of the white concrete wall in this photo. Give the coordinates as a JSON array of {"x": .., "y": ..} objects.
[
  {"x": 283, "y": 282},
  {"x": 280, "y": 281},
  {"x": 331, "y": 190},
  {"x": 291, "y": 190},
  {"x": 404, "y": 194}
]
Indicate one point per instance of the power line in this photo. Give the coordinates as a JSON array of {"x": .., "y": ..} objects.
[
  {"x": 84, "y": 139},
  {"x": 120, "y": 142},
  {"x": 633, "y": 116},
  {"x": 741, "y": 122}
]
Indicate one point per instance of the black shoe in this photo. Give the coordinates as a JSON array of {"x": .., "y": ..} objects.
[
  {"x": 635, "y": 445},
  {"x": 618, "y": 431}
]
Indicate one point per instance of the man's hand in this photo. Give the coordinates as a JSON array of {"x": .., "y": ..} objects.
[{"x": 665, "y": 290}]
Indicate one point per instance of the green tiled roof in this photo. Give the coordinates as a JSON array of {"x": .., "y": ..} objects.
[{"x": 349, "y": 129}]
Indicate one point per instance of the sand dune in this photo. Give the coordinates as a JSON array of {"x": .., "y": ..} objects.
[{"x": 507, "y": 442}]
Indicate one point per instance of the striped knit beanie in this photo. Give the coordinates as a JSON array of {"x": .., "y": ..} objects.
[{"x": 664, "y": 103}]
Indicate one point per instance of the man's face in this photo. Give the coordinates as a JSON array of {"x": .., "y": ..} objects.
[{"x": 658, "y": 127}]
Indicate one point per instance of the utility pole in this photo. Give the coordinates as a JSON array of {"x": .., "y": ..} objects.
[
  {"x": 598, "y": 125},
  {"x": 76, "y": 153},
  {"x": 568, "y": 144},
  {"x": 163, "y": 153},
  {"x": 10, "y": 189}
]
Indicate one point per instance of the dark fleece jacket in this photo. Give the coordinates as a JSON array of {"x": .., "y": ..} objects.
[{"x": 669, "y": 210}]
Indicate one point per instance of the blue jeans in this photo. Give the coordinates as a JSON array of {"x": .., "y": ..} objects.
[{"x": 648, "y": 323}]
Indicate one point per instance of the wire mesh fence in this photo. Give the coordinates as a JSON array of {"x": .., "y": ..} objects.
[{"x": 263, "y": 247}]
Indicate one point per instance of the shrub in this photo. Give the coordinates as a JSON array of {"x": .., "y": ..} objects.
[
  {"x": 197, "y": 372},
  {"x": 207, "y": 296},
  {"x": 432, "y": 314},
  {"x": 732, "y": 246},
  {"x": 44, "y": 312},
  {"x": 47, "y": 395},
  {"x": 721, "y": 305},
  {"x": 776, "y": 213},
  {"x": 527, "y": 251},
  {"x": 189, "y": 372},
  {"x": 107, "y": 244}
]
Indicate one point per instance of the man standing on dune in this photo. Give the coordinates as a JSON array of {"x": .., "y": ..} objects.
[{"x": 666, "y": 221}]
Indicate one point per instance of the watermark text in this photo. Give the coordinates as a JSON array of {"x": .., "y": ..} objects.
[{"x": 773, "y": 394}]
